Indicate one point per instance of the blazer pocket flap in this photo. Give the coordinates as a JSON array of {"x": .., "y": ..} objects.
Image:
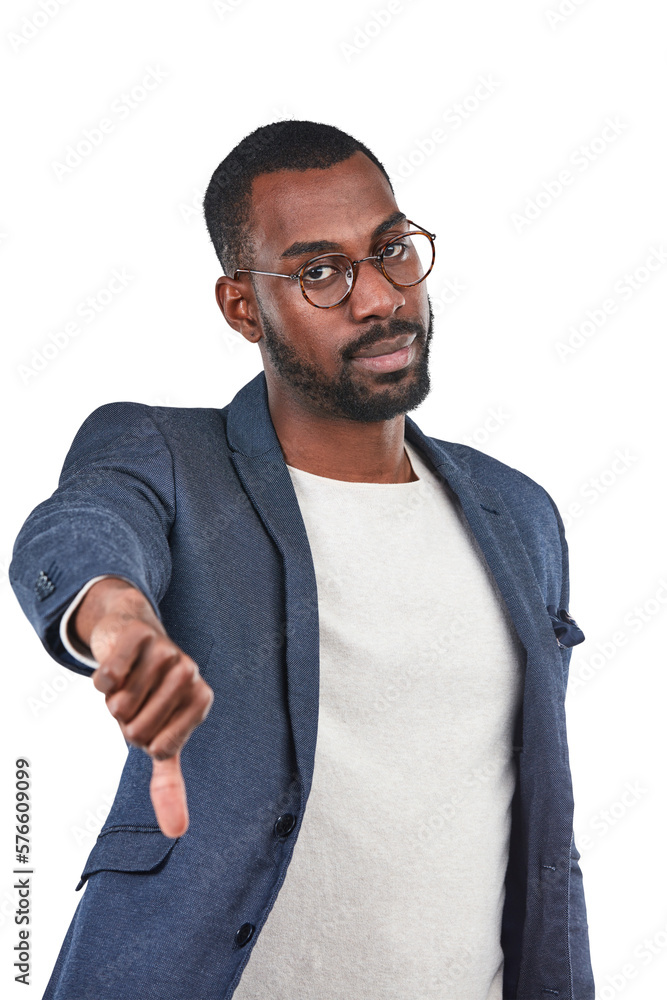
[{"x": 127, "y": 849}]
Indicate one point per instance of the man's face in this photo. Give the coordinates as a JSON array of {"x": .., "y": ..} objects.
[{"x": 348, "y": 208}]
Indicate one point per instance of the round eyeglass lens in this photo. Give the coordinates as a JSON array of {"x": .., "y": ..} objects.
[
  {"x": 408, "y": 259},
  {"x": 327, "y": 280}
]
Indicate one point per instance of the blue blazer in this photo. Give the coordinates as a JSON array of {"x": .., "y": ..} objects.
[{"x": 196, "y": 507}]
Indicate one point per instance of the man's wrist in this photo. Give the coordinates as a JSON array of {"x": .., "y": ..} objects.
[
  {"x": 70, "y": 641},
  {"x": 100, "y": 598}
]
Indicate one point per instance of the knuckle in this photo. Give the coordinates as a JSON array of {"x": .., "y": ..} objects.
[
  {"x": 102, "y": 677},
  {"x": 192, "y": 668},
  {"x": 181, "y": 673},
  {"x": 134, "y": 735},
  {"x": 115, "y": 706},
  {"x": 163, "y": 646},
  {"x": 165, "y": 746},
  {"x": 205, "y": 697},
  {"x": 199, "y": 713},
  {"x": 108, "y": 671}
]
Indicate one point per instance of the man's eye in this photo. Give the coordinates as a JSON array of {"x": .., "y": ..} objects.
[
  {"x": 321, "y": 272},
  {"x": 394, "y": 250}
]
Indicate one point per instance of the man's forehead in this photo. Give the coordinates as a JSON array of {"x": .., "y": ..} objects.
[{"x": 338, "y": 202}]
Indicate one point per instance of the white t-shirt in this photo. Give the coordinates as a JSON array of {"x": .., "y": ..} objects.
[{"x": 396, "y": 886}]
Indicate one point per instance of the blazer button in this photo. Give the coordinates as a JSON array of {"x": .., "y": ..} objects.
[
  {"x": 284, "y": 825},
  {"x": 243, "y": 934}
]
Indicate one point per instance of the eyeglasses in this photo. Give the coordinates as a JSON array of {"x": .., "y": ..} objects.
[{"x": 327, "y": 280}]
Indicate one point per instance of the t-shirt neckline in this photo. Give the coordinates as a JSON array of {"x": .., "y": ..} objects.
[{"x": 415, "y": 462}]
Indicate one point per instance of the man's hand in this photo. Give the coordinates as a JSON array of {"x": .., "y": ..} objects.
[{"x": 152, "y": 688}]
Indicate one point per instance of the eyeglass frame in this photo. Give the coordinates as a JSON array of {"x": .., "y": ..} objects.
[{"x": 298, "y": 275}]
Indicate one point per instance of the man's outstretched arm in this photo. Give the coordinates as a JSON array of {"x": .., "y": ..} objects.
[{"x": 111, "y": 515}]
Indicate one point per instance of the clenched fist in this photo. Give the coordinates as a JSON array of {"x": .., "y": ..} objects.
[{"x": 152, "y": 688}]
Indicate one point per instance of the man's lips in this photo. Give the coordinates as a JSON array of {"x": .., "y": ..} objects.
[
  {"x": 387, "y": 355},
  {"x": 384, "y": 347}
]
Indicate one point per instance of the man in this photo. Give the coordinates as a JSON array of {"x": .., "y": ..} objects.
[{"x": 347, "y": 642}]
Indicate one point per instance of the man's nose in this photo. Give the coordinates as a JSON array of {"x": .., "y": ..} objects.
[{"x": 373, "y": 295}]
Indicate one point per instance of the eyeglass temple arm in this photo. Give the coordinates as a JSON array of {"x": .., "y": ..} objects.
[
  {"x": 421, "y": 228},
  {"x": 247, "y": 270}
]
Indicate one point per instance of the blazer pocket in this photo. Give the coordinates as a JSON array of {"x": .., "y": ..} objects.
[{"x": 127, "y": 849}]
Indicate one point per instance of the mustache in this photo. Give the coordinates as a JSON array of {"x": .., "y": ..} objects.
[{"x": 378, "y": 332}]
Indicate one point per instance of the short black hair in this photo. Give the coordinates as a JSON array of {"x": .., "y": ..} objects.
[{"x": 283, "y": 145}]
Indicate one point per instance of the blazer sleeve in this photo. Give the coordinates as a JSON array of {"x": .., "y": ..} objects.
[{"x": 111, "y": 514}]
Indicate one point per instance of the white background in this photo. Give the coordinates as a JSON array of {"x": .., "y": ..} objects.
[{"x": 587, "y": 424}]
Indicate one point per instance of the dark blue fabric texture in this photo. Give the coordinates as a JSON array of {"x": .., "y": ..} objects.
[{"x": 196, "y": 507}]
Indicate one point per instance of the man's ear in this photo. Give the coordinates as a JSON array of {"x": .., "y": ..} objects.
[{"x": 238, "y": 306}]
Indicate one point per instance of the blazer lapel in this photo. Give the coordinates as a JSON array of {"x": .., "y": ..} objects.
[
  {"x": 491, "y": 522},
  {"x": 260, "y": 465},
  {"x": 493, "y": 526}
]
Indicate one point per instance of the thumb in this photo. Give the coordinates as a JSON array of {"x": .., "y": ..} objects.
[{"x": 168, "y": 796}]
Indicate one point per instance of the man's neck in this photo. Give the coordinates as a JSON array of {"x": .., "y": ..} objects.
[{"x": 349, "y": 450}]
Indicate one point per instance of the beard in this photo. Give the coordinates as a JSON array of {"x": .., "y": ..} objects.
[{"x": 353, "y": 394}]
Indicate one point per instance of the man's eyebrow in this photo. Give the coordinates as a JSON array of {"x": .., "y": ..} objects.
[
  {"x": 388, "y": 223},
  {"x": 313, "y": 247}
]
